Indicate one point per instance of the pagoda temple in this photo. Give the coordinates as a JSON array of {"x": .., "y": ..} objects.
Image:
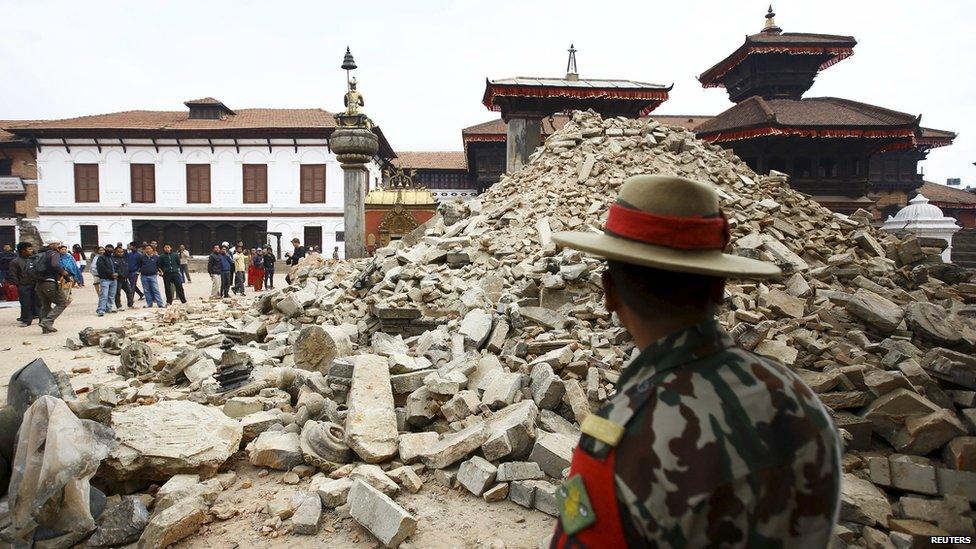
[
  {"x": 846, "y": 154},
  {"x": 525, "y": 101}
]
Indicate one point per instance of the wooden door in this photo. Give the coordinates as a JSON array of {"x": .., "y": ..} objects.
[{"x": 313, "y": 237}]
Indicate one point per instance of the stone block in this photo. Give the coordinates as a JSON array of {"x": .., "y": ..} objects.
[
  {"x": 407, "y": 383},
  {"x": 497, "y": 492},
  {"x": 375, "y": 477},
  {"x": 547, "y": 388},
  {"x": 875, "y": 311},
  {"x": 545, "y": 498},
  {"x": 257, "y": 423},
  {"x": 957, "y": 483},
  {"x": 175, "y": 523},
  {"x": 276, "y": 449},
  {"x": 862, "y": 502},
  {"x": 305, "y": 521},
  {"x": 475, "y": 328},
  {"x": 476, "y": 475},
  {"x": 332, "y": 492},
  {"x": 496, "y": 340},
  {"x": 553, "y": 452},
  {"x": 380, "y": 515},
  {"x": 911, "y": 476},
  {"x": 371, "y": 427},
  {"x": 414, "y": 445},
  {"x": 960, "y": 453},
  {"x": 461, "y": 405},
  {"x": 454, "y": 447},
  {"x": 170, "y": 437},
  {"x": 518, "y": 470},
  {"x": 407, "y": 478},
  {"x": 501, "y": 390}
]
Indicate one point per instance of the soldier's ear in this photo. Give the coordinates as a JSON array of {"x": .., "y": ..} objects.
[{"x": 610, "y": 298}]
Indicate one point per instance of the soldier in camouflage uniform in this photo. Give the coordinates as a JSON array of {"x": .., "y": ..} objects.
[{"x": 704, "y": 443}]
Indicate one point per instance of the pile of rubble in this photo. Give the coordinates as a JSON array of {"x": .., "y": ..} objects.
[{"x": 470, "y": 351}]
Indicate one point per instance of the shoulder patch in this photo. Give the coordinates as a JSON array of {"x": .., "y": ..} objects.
[
  {"x": 602, "y": 429},
  {"x": 575, "y": 510}
]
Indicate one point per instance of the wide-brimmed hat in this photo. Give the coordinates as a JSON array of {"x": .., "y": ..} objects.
[{"x": 668, "y": 223}]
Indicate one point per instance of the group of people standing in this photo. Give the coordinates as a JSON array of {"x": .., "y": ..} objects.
[
  {"x": 231, "y": 267},
  {"x": 44, "y": 280}
]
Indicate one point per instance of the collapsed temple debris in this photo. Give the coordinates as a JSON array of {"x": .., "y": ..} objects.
[{"x": 470, "y": 351}]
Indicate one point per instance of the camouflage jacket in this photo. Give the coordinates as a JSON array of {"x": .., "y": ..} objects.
[{"x": 720, "y": 447}]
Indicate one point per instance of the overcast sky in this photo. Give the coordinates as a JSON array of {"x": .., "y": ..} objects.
[{"x": 423, "y": 63}]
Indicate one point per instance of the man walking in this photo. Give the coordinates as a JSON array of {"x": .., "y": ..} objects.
[
  {"x": 105, "y": 269},
  {"x": 169, "y": 264},
  {"x": 19, "y": 274},
  {"x": 213, "y": 269},
  {"x": 132, "y": 258},
  {"x": 148, "y": 271},
  {"x": 226, "y": 271},
  {"x": 269, "y": 268},
  {"x": 121, "y": 278},
  {"x": 50, "y": 273},
  {"x": 704, "y": 443},
  {"x": 185, "y": 263}
]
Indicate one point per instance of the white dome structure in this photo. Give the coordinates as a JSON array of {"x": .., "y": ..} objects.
[{"x": 926, "y": 221}]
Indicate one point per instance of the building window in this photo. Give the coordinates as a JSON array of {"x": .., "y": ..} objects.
[
  {"x": 198, "y": 183},
  {"x": 340, "y": 236},
  {"x": 89, "y": 237},
  {"x": 6, "y": 166},
  {"x": 255, "y": 183},
  {"x": 86, "y": 182},
  {"x": 143, "y": 181},
  {"x": 312, "y": 182}
]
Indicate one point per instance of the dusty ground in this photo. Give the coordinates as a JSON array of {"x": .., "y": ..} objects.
[
  {"x": 19, "y": 346},
  {"x": 447, "y": 518}
]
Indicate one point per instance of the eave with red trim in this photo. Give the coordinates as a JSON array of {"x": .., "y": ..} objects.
[
  {"x": 712, "y": 78},
  {"x": 904, "y": 136},
  {"x": 557, "y": 95}
]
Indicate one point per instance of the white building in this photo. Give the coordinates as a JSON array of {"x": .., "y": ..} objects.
[{"x": 194, "y": 177}]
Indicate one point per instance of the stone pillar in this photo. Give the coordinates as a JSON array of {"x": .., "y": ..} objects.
[
  {"x": 354, "y": 217},
  {"x": 524, "y": 136},
  {"x": 354, "y": 144}
]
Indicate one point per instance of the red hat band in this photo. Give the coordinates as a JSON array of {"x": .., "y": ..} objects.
[{"x": 679, "y": 232}]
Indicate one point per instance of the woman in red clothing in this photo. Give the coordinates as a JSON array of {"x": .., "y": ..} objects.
[{"x": 257, "y": 266}]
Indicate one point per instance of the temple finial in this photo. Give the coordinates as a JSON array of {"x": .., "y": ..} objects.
[
  {"x": 770, "y": 26},
  {"x": 571, "y": 71}
]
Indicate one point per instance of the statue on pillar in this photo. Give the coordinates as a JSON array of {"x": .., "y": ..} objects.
[{"x": 353, "y": 99}]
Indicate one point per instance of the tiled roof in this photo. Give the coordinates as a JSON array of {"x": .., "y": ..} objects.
[
  {"x": 807, "y": 112},
  {"x": 180, "y": 120},
  {"x": 247, "y": 122},
  {"x": 8, "y": 137},
  {"x": 204, "y": 101},
  {"x": 579, "y": 83},
  {"x": 943, "y": 195},
  {"x": 934, "y": 133},
  {"x": 801, "y": 38},
  {"x": 836, "y": 47},
  {"x": 497, "y": 126},
  {"x": 431, "y": 160}
]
